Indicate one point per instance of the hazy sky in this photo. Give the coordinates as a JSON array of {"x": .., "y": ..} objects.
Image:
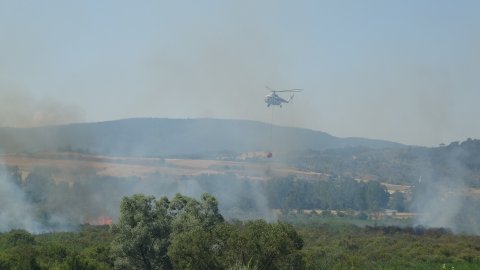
[{"x": 406, "y": 71}]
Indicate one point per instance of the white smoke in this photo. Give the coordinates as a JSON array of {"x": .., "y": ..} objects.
[
  {"x": 438, "y": 203},
  {"x": 15, "y": 212},
  {"x": 20, "y": 108},
  {"x": 440, "y": 198}
]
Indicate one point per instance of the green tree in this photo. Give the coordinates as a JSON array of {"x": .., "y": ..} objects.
[
  {"x": 193, "y": 244},
  {"x": 376, "y": 196},
  {"x": 146, "y": 228},
  {"x": 187, "y": 213},
  {"x": 397, "y": 201},
  {"x": 141, "y": 235},
  {"x": 18, "y": 237},
  {"x": 251, "y": 244},
  {"x": 270, "y": 246},
  {"x": 195, "y": 249}
]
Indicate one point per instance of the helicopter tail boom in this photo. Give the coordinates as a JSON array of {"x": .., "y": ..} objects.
[{"x": 291, "y": 98}]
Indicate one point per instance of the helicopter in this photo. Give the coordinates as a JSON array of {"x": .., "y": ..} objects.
[{"x": 274, "y": 99}]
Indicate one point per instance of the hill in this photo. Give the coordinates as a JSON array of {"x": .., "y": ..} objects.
[
  {"x": 457, "y": 164},
  {"x": 170, "y": 137}
]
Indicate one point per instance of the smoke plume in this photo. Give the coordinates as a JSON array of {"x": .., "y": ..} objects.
[
  {"x": 18, "y": 108},
  {"x": 39, "y": 203},
  {"x": 440, "y": 198},
  {"x": 15, "y": 212}
]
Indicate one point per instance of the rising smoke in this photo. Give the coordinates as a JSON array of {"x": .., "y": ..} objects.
[
  {"x": 39, "y": 203},
  {"x": 441, "y": 195},
  {"x": 19, "y": 108},
  {"x": 16, "y": 212}
]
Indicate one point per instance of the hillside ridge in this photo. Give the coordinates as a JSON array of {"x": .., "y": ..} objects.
[{"x": 167, "y": 137}]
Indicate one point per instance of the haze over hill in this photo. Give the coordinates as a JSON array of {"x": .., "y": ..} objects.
[
  {"x": 442, "y": 181},
  {"x": 169, "y": 137},
  {"x": 206, "y": 167}
]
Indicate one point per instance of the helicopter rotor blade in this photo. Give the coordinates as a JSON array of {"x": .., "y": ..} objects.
[
  {"x": 290, "y": 90},
  {"x": 286, "y": 90}
]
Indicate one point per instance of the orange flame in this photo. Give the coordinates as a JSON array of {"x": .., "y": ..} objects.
[{"x": 100, "y": 220}]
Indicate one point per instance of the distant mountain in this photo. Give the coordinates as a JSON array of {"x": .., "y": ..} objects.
[{"x": 169, "y": 137}]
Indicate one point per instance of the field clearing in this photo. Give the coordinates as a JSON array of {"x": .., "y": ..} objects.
[
  {"x": 64, "y": 163},
  {"x": 392, "y": 188},
  {"x": 407, "y": 190}
]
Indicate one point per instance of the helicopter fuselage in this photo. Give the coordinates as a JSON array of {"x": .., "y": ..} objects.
[{"x": 274, "y": 99}]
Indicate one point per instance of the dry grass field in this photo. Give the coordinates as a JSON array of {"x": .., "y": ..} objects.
[{"x": 64, "y": 163}]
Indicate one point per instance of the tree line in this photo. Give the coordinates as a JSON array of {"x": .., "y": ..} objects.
[
  {"x": 181, "y": 233},
  {"x": 335, "y": 193},
  {"x": 457, "y": 160},
  {"x": 85, "y": 195},
  {"x": 186, "y": 233}
]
